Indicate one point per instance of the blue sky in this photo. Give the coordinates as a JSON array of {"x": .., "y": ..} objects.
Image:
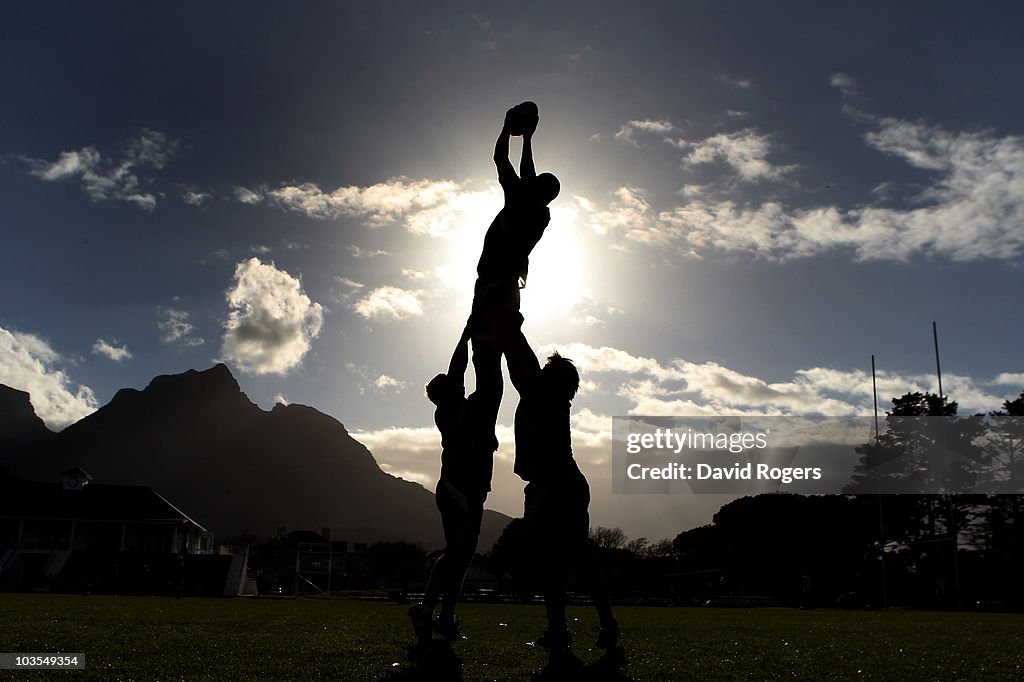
[{"x": 755, "y": 198}]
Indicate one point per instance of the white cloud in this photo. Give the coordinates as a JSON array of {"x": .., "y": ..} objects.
[
  {"x": 247, "y": 196},
  {"x": 272, "y": 322},
  {"x": 1010, "y": 379},
  {"x": 281, "y": 399},
  {"x": 390, "y": 303},
  {"x": 115, "y": 353},
  {"x": 195, "y": 198},
  {"x": 68, "y": 164},
  {"x": 358, "y": 252},
  {"x": 176, "y": 329},
  {"x": 428, "y": 202},
  {"x": 972, "y": 209},
  {"x": 29, "y": 364},
  {"x": 414, "y": 275},
  {"x": 628, "y": 131},
  {"x": 681, "y": 387},
  {"x": 745, "y": 151},
  {"x": 627, "y": 215},
  {"x": 345, "y": 289},
  {"x": 261, "y": 249},
  {"x": 844, "y": 82},
  {"x": 348, "y": 283},
  {"x": 151, "y": 148},
  {"x": 415, "y": 455},
  {"x": 107, "y": 178},
  {"x": 373, "y": 380},
  {"x": 385, "y": 382},
  {"x": 433, "y": 208}
]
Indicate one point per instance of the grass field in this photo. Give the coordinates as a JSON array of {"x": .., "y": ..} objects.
[{"x": 158, "y": 638}]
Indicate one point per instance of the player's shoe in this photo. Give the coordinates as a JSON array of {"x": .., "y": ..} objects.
[
  {"x": 608, "y": 635},
  {"x": 554, "y": 641},
  {"x": 449, "y": 629},
  {"x": 420, "y": 616}
]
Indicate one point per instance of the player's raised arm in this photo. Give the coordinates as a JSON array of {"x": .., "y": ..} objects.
[
  {"x": 460, "y": 359},
  {"x": 526, "y": 168},
  {"x": 506, "y": 171}
]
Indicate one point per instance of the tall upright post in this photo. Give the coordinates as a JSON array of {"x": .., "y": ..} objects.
[
  {"x": 874, "y": 394},
  {"x": 881, "y": 516},
  {"x": 954, "y": 531}
]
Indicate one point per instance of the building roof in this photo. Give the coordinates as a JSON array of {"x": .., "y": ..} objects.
[{"x": 21, "y": 499}]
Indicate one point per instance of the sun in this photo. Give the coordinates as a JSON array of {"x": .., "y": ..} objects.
[{"x": 557, "y": 281}]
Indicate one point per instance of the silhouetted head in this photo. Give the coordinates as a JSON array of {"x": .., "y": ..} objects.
[
  {"x": 545, "y": 188},
  {"x": 560, "y": 376},
  {"x": 442, "y": 389}
]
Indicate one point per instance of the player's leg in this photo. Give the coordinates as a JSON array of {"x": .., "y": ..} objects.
[
  {"x": 588, "y": 569},
  {"x": 461, "y": 536},
  {"x": 487, "y": 361},
  {"x": 523, "y": 366},
  {"x": 541, "y": 514},
  {"x": 422, "y": 614}
]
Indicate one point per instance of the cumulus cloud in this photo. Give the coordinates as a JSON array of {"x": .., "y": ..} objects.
[
  {"x": 628, "y": 214},
  {"x": 272, "y": 322},
  {"x": 675, "y": 387},
  {"x": 28, "y": 363},
  {"x": 414, "y": 275},
  {"x": 844, "y": 82},
  {"x": 680, "y": 387},
  {"x": 629, "y": 130},
  {"x": 373, "y": 380},
  {"x": 424, "y": 207},
  {"x": 385, "y": 382},
  {"x": 359, "y": 252},
  {"x": 115, "y": 353},
  {"x": 117, "y": 178},
  {"x": 247, "y": 196},
  {"x": 344, "y": 289},
  {"x": 971, "y": 210},
  {"x": 176, "y": 329},
  {"x": 744, "y": 151},
  {"x": 415, "y": 455},
  {"x": 1010, "y": 379},
  {"x": 390, "y": 303},
  {"x": 194, "y": 197},
  {"x": 348, "y": 283}
]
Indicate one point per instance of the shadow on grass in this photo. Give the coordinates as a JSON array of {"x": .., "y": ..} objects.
[
  {"x": 434, "y": 662},
  {"x": 565, "y": 666}
]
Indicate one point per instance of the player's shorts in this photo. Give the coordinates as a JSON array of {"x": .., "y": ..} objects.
[
  {"x": 557, "y": 516},
  {"x": 461, "y": 514}
]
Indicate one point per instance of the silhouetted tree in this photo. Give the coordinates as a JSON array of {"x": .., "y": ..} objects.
[
  {"x": 773, "y": 544},
  {"x": 510, "y": 557},
  {"x": 607, "y": 538},
  {"x": 395, "y": 563}
]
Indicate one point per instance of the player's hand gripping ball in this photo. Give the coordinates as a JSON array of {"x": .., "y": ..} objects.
[{"x": 522, "y": 118}]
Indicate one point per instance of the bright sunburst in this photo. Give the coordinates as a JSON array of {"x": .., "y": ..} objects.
[{"x": 557, "y": 281}]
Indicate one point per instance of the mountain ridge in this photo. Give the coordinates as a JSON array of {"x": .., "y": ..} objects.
[{"x": 236, "y": 468}]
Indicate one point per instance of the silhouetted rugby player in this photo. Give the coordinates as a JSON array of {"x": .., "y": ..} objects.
[
  {"x": 557, "y": 496},
  {"x": 504, "y": 262},
  {"x": 467, "y": 460}
]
